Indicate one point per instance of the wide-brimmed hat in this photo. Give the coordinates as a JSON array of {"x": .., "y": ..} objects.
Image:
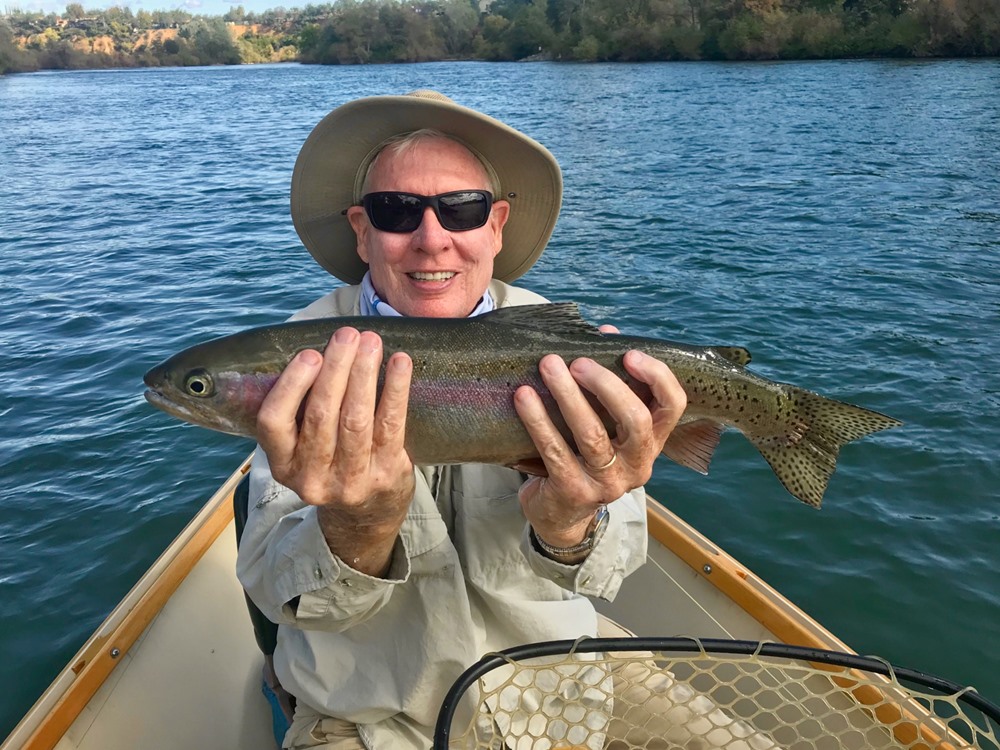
[{"x": 331, "y": 165}]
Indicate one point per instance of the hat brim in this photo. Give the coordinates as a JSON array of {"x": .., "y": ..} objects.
[{"x": 327, "y": 167}]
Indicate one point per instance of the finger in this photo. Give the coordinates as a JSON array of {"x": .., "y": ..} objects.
[
  {"x": 669, "y": 397},
  {"x": 357, "y": 411},
  {"x": 553, "y": 449},
  {"x": 589, "y": 432},
  {"x": 631, "y": 416},
  {"x": 390, "y": 418},
  {"x": 321, "y": 417},
  {"x": 277, "y": 419}
]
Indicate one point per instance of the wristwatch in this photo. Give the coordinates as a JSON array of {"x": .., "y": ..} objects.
[{"x": 578, "y": 552}]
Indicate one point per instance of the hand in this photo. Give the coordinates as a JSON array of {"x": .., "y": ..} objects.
[
  {"x": 560, "y": 506},
  {"x": 345, "y": 453}
]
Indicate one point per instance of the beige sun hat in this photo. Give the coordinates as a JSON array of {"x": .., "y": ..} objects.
[{"x": 332, "y": 163}]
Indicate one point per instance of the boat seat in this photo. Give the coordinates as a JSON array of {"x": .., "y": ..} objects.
[{"x": 266, "y": 632}]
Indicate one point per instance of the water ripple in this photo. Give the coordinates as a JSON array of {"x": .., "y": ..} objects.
[{"x": 838, "y": 218}]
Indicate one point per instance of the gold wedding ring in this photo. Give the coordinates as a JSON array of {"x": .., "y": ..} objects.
[{"x": 608, "y": 465}]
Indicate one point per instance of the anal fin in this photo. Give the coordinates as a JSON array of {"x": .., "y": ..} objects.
[{"x": 692, "y": 444}]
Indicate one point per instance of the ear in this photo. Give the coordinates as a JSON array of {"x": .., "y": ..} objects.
[
  {"x": 359, "y": 223},
  {"x": 498, "y": 218}
]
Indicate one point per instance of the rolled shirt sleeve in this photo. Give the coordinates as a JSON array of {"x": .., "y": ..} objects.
[{"x": 287, "y": 568}]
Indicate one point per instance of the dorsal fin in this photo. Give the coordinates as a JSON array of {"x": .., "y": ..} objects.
[
  {"x": 559, "y": 317},
  {"x": 735, "y": 354}
]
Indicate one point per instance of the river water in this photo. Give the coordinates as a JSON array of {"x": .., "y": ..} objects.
[{"x": 840, "y": 219}]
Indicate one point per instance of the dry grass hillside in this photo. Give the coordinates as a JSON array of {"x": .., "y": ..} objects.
[
  {"x": 145, "y": 39},
  {"x": 152, "y": 36}
]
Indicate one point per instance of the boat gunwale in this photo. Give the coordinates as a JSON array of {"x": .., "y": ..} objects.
[
  {"x": 48, "y": 720},
  {"x": 66, "y": 697}
]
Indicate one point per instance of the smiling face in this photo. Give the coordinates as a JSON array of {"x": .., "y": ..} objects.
[{"x": 430, "y": 272}]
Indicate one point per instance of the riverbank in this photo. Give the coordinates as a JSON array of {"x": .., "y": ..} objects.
[{"x": 393, "y": 31}]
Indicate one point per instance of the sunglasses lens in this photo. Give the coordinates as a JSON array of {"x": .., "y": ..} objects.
[
  {"x": 394, "y": 212},
  {"x": 403, "y": 212},
  {"x": 459, "y": 212}
]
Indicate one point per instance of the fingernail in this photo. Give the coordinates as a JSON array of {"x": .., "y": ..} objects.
[
  {"x": 310, "y": 357},
  {"x": 345, "y": 335},
  {"x": 552, "y": 363},
  {"x": 370, "y": 343},
  {"x": 399, "y": 363}
]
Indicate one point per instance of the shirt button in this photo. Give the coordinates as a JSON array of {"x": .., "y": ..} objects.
[{"x": 318, "y": 572}]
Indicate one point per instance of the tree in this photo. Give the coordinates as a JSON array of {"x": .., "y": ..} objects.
[
  {"x": 74, "y": 11},
  {"x": 488, "y": 45},
  {"x": 209, "y": 42},
  {"x": 11, "y": 57},
  {"x": 529, "y": 32},
  {"x": 236, "y": 14},
  {"x": 458, "y": 22},
  {"x": 755, "y": 37}
]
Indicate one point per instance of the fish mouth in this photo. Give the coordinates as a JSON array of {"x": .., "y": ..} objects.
[
  {"x": 170, "y": 406},
  {"x": 186, "y": 413}
]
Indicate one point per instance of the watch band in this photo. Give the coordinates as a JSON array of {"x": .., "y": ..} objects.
[{"x": 575, "y": 553}]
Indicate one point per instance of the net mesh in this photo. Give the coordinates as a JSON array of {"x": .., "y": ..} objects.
[{"x": 699, "y": 700}]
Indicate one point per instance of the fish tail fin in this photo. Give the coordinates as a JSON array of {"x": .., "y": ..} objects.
[{"x": 805, "y": 456}]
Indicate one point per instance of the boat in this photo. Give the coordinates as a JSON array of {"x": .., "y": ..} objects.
[{"x": 177, "y": 661}]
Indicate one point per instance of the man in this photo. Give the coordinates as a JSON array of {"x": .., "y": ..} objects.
[{"x": 391, "y": 578}]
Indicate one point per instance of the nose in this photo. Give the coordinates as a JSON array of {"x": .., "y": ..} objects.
[{"x": 430, "y": 236}]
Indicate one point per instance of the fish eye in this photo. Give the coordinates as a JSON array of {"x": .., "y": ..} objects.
[{"x": 199, "y": 383}]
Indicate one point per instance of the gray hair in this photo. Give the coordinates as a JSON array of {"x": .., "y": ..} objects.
[{"x": 400, "y": 144}]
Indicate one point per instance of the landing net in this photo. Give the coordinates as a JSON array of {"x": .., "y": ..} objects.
[{"x": 673, "y": 693}]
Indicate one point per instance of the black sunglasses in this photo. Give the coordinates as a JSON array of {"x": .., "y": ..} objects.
[{"x": 460, "y": 211}]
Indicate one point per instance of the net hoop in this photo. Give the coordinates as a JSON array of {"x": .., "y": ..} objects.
[{"x": 980, "y": 732}]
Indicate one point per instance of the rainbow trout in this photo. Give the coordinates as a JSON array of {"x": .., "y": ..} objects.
[{"x": 465, "y": 372}]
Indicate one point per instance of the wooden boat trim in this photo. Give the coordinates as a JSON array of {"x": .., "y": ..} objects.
[
  {"x": 49, "y": 719},
  {"x": 772, "y": 610}
]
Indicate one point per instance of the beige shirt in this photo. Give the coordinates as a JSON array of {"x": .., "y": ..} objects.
[{"x": 464, "y": 580}]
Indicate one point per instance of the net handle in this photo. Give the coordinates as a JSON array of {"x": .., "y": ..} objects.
[{"x": 442, "y": 730}]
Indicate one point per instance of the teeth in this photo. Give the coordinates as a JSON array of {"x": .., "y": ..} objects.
[{"x": 439, "y": 276}]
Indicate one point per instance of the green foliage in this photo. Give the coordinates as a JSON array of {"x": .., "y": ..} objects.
[
  {"x": 210, "y": 42},
  {"x": 755, "y": 37},
  {"x": 10, "y": 55},
  {"x": 813, "y": 34},
  {"x": 490, "y": 42},
  {"x": 363, "y": 31},
  {"x": 588, "y": 49}
]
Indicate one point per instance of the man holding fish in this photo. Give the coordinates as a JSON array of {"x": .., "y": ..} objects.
[
  {"x": 388, "y": 578},
  {"x": 390, "y": 530}
]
